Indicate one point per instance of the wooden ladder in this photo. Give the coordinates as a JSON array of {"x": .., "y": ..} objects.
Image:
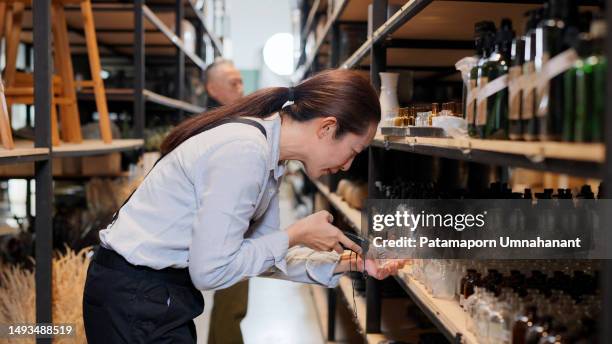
[{"x": 20, "y": 89}]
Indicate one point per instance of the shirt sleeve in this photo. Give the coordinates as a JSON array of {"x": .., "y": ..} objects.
[
  {"x": 301, "y": 264},
  {"x": 228, "y": 183}
]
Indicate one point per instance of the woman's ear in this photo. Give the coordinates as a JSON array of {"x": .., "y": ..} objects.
[{"x": 327, "y": 126}]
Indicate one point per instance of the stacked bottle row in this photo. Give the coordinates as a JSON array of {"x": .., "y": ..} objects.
[
  {"x": 401, "y": 189},
  {"x": 421, "y": 115},
  {"x": 534, "y": 302},
  {"x": 548, "y": 84}
]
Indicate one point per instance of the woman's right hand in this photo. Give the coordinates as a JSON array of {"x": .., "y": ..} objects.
[{"x": 316, "y": 232}]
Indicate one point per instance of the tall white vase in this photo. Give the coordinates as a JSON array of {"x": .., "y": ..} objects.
[{"x": 388, "y": 96}]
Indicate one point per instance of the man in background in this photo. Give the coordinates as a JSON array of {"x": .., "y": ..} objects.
[
  {"x": 223, "y": 83},
  {"x": 224, "y": 86}
]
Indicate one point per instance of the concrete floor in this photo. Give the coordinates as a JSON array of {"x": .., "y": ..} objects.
[{"x": 279, "y": 311}]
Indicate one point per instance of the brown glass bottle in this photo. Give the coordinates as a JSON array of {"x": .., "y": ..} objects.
[
  {"x": 467, "y": 285},
  {"x": 522, "y": 324}
]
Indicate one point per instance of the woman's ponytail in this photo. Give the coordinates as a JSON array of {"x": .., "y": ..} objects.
[{"x": 343, "y": 94}]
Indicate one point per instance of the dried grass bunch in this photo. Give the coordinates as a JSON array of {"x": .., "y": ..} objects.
[{"x": 17, "y": 295}]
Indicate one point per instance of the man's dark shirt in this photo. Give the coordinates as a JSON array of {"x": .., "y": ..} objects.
[{"x": 212, "y": 103}]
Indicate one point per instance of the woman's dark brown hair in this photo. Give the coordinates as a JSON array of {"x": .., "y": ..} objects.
[{"x": 343, "y": 94}]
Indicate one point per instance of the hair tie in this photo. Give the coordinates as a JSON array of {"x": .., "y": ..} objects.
[{"x": 290, "y": 94}]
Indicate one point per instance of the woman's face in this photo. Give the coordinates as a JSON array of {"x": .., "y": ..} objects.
[{"x": 329, "y": 154}]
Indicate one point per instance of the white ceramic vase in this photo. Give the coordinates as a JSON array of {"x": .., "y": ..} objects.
[{"x": 389, "y": 104}]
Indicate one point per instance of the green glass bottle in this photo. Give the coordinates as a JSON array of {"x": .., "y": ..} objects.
[
  {"x": 496, "y": 126},
  {"x": 529, "y": 123},
  {"x": 583, "y": 107},
  {"x": 481, "y": 43},
  {"x": 598, "y": 65},
  {"x": 483, "y": 71},
  {"x": 578, "y": 39},
  {"x": 569, "y": 102},
  {"x": 549, "y": 43}
]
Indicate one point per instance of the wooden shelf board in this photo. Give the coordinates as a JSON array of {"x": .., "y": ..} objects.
[
  {"x": 454, "y": 20},
  {"x": 121, "y": 17},
  {"x": 23, "y": 148},
  {"x": 399, "y": 57},
  {"x": 356, "y": 10},
  {"x": 353, "y": 215},
  {"x": 96, "y": 147},
  {"x": 448, "y": 312},
  {"x": 590, "y": 152}
]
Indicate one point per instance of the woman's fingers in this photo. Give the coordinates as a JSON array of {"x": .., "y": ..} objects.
[
  {"x": 348, "y": 243},
  {"x": 338, "y": 248}
]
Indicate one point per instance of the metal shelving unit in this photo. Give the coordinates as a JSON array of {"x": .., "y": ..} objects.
[
  {"x": 127, "y": 95},
  {"x": 582, "y": 160},
  {"x": 408, "y": 40},
  {"x": 141, "y": 95},
  {"x": 131, "y": 20}
]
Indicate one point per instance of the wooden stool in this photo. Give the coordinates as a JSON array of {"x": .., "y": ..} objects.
[
  {"x": 6, "y": 134},
  {"x": 64, "y": 90}
]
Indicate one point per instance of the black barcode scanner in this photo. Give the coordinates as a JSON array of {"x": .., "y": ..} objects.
[
  {"x": 363, "y": 243},
  {"x": 354, "y": 237}
]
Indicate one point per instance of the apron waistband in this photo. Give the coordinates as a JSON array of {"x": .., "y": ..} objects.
[{"x": 113, "y": 260}]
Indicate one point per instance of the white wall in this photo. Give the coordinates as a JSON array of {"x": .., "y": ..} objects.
[{"x": 252, "y": 22}]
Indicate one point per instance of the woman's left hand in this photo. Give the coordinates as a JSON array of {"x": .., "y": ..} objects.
[{"x": 380, "y": 270}]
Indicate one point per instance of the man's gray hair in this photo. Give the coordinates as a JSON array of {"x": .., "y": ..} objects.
[{"x": 219, "y": 61}]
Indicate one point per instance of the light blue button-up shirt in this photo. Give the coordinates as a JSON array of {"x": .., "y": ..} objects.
[{"x": 212, "y": 205}]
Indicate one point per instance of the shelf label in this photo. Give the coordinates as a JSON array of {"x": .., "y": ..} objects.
[
  {"x": 493, "y": 87},
  {"x": 472, "y": 93},
  {"x": 514, "y": 92},
  {"x": 481, "y": 103}
]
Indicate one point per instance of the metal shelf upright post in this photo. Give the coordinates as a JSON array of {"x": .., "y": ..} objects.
[
  {"x": 139, "y": 67},
  {"x": 180, "y": 54},
  {"x": 378, "y": 57},
  {"x": 606, "y": 320},
  {"x": 44, "y": 182}
]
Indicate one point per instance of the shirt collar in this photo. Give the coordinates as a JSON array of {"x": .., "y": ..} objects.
[{"x": 273, "y": 129}]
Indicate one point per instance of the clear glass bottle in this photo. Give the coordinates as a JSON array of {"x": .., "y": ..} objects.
[
  {"x": 470, "y": 306},
  {"x": 482, "y": 314}
]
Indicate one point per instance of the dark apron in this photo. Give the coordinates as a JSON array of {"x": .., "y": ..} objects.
[{"x": 124, "y": 303}]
